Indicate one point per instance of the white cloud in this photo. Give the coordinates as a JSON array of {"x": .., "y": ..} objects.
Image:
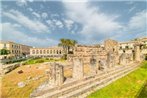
[
  {"x": 68, "y": 23},
  {"x": 94, "y": 22},
  {"x": 17, "y": 25},
  {"x": 51, "y": 24},
  {"x": 59, "y": 24},
  {"x": 138, "y": 21},
  {"x": 36, "y": 26},
  {"x": 30, "y": 0},
  {"x": 135, "y": 28},
  {"x": 54, "y": 15},
  {"x": 36, "y": 14},
  {"x": 21, "y": 2},
  {"x": 9, "y": 32},
  {"x": 75, "y": 1},
  {"x": 44, "y": 15},
  {"x": 130, "y": 2},
  {"x": 131, "y": 9},
  {"x": 55, "y": 23},
  {"x": 30, "y": 9}
]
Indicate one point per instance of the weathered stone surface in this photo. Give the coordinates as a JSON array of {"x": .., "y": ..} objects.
[
  {"x": 20, "y": 72},
  {"x": 35, "y": 78},
  {"x": 93, "y": 65},
  {"x": 78, "y": 69},
  {"x": 123, "y": 59},
  {"x": 56, "y": 74},
  {"x": 75, "y": 88},
  {"x": 110, "y": 59},
  {"x": 29, "y": 66},
  {"x": 21, "y": 84},
  {"x": 103, "y": 65},
  {"x": 29, "y": 78},
  {"x": 111, "y": 45},
  {"x": 8, "y": 68},
  {"x": 137, "y": 52}
]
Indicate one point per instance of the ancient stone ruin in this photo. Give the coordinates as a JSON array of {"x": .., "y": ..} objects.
[
  {"x": 78, "y": 70},
  {"x": 56, "y": 74},
  {"x": 93, "y": 65},
  {"x": 106, "y": 65},
  {"x": 137, "y": 52}
]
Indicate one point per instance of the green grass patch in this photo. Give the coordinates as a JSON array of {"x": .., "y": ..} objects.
[
  {"x": 143, "y": 91},
  {"x": 126, "y": 87},
  {"x": 41, "y": 60}
]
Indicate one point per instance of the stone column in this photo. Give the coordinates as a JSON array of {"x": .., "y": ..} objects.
[
  {"x": 123, "y": 59},
  {"x": 78, "y": 69},
  {"x": 131, "y": 57},
  {"x": 56, "y": 74},
  {"x": 102, "y": 65},
  {"x": 59, "y": 74},
  {"x": 137, "y": 52},
  {"x": 93, "y": 65},
  {"x": 110, "y": 59},
  {"x": 52, "y": 73}
]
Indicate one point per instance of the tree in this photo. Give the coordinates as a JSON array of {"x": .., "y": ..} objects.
[
  {"x": 4, "y": 52},
  {"x": 67, "y": 44},
  {"x": 72, "y": 44}
]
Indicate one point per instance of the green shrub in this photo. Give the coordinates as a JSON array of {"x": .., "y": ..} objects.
[
  {"x": 39, "y": 61},
  {"x": 145, "y": 57},
  {"x": 51, "y": 58},
  {"x": 46, "y": 58},
  {"x": 64, "y": 57}
]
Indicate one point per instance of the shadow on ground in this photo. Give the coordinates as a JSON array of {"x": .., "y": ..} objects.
[{"x": 143, "y": 91}]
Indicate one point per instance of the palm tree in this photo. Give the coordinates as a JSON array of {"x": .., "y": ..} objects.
[
  {"x": 72, "y": 44},
  {"x": 67, "y": 44},
  {"x": 63, "y": 43}
]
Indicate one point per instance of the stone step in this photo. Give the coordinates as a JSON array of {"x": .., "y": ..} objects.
[
  {"x": 101, "y": 86},
  {"x": 44, "y": 91},
  {"x": 98, "y": 84},
  {"x": 58, "y": 93},
  {"x": 80, "y": 85}
]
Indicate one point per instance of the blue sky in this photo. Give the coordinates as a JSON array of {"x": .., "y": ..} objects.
[{"x": 43, "y": 23}]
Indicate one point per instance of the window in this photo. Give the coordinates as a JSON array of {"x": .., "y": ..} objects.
[
  {"x": 37, "y": 52},
  {"x": 40, "y": 51},
  {"x": 47, "y": 51},
  {"x": 127, "y": 47},
  {"x": 50, "y": 51},
  {"x": 5, "y": 46},
  {"x": 44, "y": 51},
  {"x": 57, "y": 51},
  {"x": 60, "y": 51},
  {"x": 33, "y": 51}
]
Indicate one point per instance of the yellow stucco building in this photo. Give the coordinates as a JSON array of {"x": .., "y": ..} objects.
[{"x": 15, "y": 49}]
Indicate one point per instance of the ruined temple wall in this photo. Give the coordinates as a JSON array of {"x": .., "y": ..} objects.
[
  {"x": 78, "y": 68},
  {"x": 111, "y": 45},
  {"x": 56, "y": 74},
  {"x": 84, "y": 52}
]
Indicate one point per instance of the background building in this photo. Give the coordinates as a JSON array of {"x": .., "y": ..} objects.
[
  {"x": 15, "y": 50},
  {"x": 51, "y": 52},
  {"x": 129, "y": 46}
]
